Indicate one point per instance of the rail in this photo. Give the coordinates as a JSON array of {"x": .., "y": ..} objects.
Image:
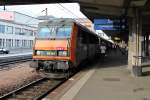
[
  {"x": 33, "y": 91},
  {"x": 13, "y": 60}
]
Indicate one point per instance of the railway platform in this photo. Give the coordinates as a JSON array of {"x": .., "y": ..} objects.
[{"x": 109, "y": 80}]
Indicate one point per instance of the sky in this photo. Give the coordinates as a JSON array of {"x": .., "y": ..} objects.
[{"x": 55, "y": 10}]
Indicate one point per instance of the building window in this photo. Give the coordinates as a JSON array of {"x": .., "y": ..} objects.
[
  {"x": 8, "y": 43},
  {"x": 12, "y": 42},
  {"x": 2, "y": 28},
  {"x": 31, "y": 43},
  {"x": 17, "y": 43},
  {"x": 30, "y": 33},
  {"x": 1, "y": 42},
  {"x": 17, "y": 31},
  {"x": 34, "y": 33},
  {"x": 24, "y": 32},
  {"x": 27, "y": 32},
  {"x": 9, "y": 29},
  {"x": 23, "y": 43}
]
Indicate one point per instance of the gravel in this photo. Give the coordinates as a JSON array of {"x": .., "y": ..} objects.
[{"x": 16, "y": 77}]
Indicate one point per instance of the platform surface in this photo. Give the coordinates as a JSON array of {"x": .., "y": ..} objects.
[{"x": 110, "y": 80}]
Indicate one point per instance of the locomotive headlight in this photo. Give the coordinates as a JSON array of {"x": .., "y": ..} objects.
[
  {"x": 62, "y": 53},
  {"x": 38, "y": 52}
]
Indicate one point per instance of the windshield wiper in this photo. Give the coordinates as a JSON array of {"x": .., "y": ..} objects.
[{"x": 52, "y": 30}]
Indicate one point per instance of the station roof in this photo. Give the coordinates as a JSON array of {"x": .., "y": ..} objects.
[
  {"x": 111, "y": 8},
  {"x": 101, "y": 8},
  {"x": 95, "y": 8}
]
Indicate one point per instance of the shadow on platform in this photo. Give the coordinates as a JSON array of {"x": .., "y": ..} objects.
[{"x": 112, "y": 59}]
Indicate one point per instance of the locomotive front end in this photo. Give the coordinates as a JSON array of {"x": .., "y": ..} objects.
[
  {"x": 51, "y": 51},
  {"x": 51, "y": 56}
]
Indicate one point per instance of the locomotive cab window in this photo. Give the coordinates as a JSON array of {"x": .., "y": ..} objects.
[
  {"x": 44, "y": 32},
  {"x": 64, "y": 31},
  {"x": 54, "y": 32}
]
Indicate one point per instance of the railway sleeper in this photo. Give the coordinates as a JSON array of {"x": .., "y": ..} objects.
[
  {"x": 36, "y": 87},
  {"x": 22, "y": 97},
  {"x": 27, "y": 92},
  {"x": 12, "y": 99},
  {"x": 29, "y": 89}
]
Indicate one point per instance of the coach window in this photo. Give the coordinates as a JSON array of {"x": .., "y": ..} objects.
[
  {"x": 2, "y": 28},
  {"x": 80, "y": 37},
  {"x": 92, "y": 39},
  {"x": 86, "y": 37},
  {"x": 83, "y": 36},
  {"x": 9, "y": 29}
]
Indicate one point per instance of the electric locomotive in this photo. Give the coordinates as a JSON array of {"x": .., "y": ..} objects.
[{"x": 61, "y": 45}]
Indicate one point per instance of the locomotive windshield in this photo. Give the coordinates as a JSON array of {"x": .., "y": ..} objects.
[{"x": 54, "y": 32}]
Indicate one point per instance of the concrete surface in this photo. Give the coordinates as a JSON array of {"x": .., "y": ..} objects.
[
  {"x": 17, "y": 52},
  {"x": 112, "y": 81},
  {"x": 20, "y": 50}
]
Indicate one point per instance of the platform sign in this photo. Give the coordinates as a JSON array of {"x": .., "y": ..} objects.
[
  {"x": 103, "y": 21},
  {"x": 103, "y": 27},
  {"x": 107, "y": 24}
]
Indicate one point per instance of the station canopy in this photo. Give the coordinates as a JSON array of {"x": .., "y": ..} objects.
[{"x": 95, "y": 8}]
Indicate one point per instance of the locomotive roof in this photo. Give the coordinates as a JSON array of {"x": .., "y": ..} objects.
[
  {"x": 67, "y": 21},
  {"x": 57, "y": 22}
]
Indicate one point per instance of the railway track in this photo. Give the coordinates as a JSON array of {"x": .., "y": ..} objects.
[
  {"x": 4, "y": 64},
  {"x": 33, "y": 91}
]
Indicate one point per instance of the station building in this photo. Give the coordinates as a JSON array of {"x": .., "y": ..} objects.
[{"x": 17, "y": 30}]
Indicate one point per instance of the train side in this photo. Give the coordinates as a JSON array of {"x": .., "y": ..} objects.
[
  {"x": 86, "y": 44},
  {"x": 58, "y": 56}
]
